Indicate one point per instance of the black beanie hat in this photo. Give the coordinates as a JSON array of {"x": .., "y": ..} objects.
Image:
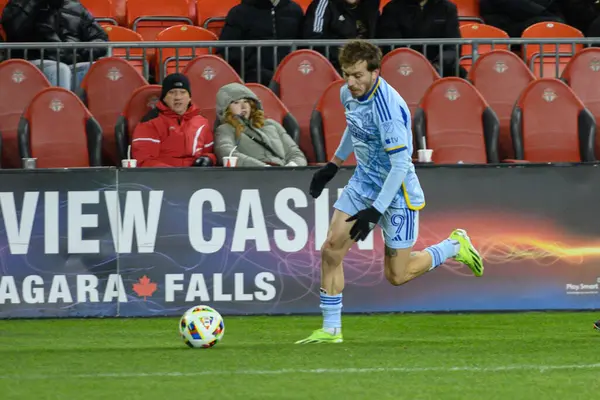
[{"x": 175, "y": 81}]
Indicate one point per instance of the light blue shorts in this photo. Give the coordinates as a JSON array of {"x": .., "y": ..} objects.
[{"x": 400, "y": 226}]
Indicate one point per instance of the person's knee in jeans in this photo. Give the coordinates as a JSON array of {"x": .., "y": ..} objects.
[
  {"x": 81, "y": 68},
  {"x": 59, "y": 74}
]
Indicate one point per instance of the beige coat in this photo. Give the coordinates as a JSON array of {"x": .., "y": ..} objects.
[{"x": 256, "y": 147}]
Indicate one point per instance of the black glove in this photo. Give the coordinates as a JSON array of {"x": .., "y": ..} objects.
[
  {"x": 203, "y": 161},
  {"x": 321, "y": 178},
  {"x": 365, "y": 222}
]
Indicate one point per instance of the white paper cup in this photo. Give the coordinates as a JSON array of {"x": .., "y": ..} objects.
[
  {"x": 425, "y": 155},
  {"x": 129, "y": 163},
  {"x": 230, "y": 162}
]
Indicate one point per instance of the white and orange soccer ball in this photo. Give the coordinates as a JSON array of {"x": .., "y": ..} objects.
[{"x": 201, "y": 327}]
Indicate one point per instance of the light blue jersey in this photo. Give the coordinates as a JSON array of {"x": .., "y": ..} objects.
[{"x": 379, "y": 132}]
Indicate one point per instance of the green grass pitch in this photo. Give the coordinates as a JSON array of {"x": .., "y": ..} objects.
[{"x": 416, "y": 356}]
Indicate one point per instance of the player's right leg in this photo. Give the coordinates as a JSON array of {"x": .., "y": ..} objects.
[
  {"x": 401, "y": 229},
  {"x": 333, "y": 251}
]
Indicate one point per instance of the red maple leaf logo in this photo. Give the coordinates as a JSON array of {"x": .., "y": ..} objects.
[{"x": 145, "y": 288}]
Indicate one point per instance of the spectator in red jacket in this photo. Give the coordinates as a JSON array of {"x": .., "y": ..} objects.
[{"x": 174, "y": 134}]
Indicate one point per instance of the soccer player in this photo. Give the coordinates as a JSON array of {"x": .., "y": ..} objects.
[
  {"x": 597, "y": 325},
  {"x": 384, "y": 189}
]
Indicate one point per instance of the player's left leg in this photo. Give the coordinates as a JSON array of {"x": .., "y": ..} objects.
[{"x": 402, "y": 264}]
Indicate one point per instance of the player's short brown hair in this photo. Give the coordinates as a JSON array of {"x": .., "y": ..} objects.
[{"x": 360, "y": 50}]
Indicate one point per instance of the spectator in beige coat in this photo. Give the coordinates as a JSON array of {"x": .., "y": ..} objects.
[{"x": 242, "y": 126}]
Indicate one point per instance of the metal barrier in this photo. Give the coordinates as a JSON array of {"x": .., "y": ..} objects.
[{"x": 51, "y": 52}]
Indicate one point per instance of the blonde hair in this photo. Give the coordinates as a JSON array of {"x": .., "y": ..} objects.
[{"x": 257, "y": 119}]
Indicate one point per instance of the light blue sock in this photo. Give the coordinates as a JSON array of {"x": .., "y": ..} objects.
[
  {"x": 331, "y": 306},
  {"x": 442, "y": 251}
]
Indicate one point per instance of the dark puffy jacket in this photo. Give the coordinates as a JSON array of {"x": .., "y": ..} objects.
[
  {"x": 405, "y": 19},
  {"x": 260, "y": 20},
  {"x": 580, "y": 13},
  {"x": 514, "y": 16},
  {"x": 36, "y": 21},
  {"x": 336, "y": 19}
]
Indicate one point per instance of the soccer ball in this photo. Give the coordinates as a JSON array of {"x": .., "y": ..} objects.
[{"x": 201, "y": 327}]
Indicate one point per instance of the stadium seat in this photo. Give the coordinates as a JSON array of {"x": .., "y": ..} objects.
[
  {"x": 582, "y": 74},
  {"x": 551, "y": 124},
  {"x": 275, "y": 109},
  {"x": 500, "y": 76},
  {"x": 148, "y": 18},
  {"x": 142, "y": 100},
  {"x": 105, "y": 90},
  {"x": 20, "y": 81},
  {"x": 134, "y": 56},
  {"x": 167, "y": 57},
  {"x": 120, "y": 11},
  {"x": 468, "y": 10},
  {"x": 192, "y": 11},
  {"x": 552, "y": 62},
  {"x": 59, "y": 131},
  {"x": 457, "y": 123},
  {"x": 299, "y": 81},
  {"x": 207, "y": 74},
  {"x": 211, "y": 13},
  {"x": 327, "y": 124},
  {"x": 410, "y": 73},
  {"x": 103, "y": 11},
  {"x": 479, "y": 31}
]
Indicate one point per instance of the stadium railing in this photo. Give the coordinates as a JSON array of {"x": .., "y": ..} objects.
[{"x": 550, "y": 50}]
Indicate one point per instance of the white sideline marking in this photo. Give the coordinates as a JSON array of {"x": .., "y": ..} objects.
[{"x": 536, "y": 368}]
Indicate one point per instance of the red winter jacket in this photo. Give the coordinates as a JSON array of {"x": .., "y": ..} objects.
[{"x": 166, "y": 139}]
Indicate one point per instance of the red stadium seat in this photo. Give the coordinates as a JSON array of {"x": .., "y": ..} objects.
[
  {"x": 207, "y": 74},
  {"x": 468, "y": 10},
  {"x": 551, "y": 124},
  {"x": 582, "y": 74},
  {"x": 212, "y": 13},
  {"x": 105, "y": 90},
  {"x": 148, "y": 18},
  {"x": 299, "y": 81},
  {"x": 134, "y": 56},
  {"x": 141, "y": 101},
  {"x": 479, "y": 31},
  {"x": 457, "y": 124},
  {"x": 60, "y": 132},
  {"x": 103, "y": 11},
  {"x": 275, "y": 109},
  {"x": 120, "y": 11},
  {"x": 546, "y": 65},
  {"x": 500, "y": 76},
  {"x": 327, "y": 124},
  {"x": 20, "y": 81},
  {"x": 410, "y": 73},
  {"x": 166, "y": 58}
]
